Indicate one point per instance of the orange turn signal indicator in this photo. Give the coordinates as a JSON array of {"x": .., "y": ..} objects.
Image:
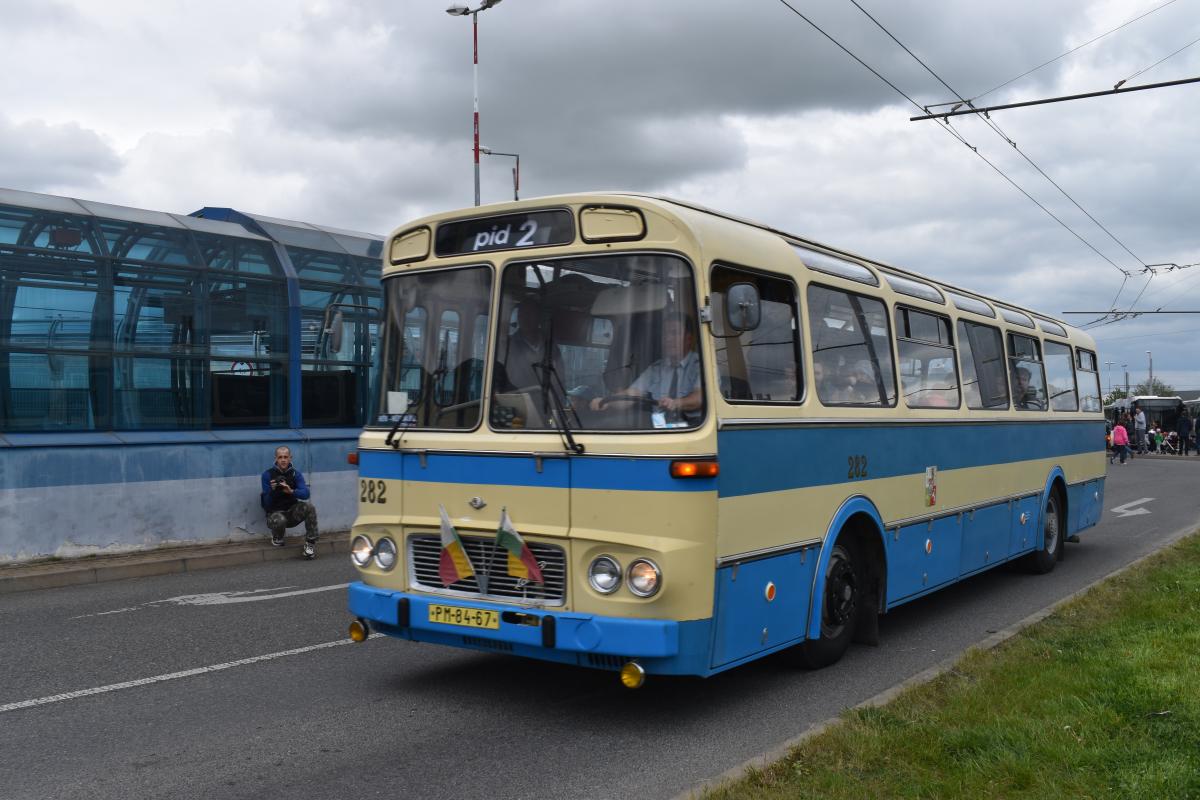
[
  {"x": 352, "y": 458},
  {"x": 695, "y": 469}
]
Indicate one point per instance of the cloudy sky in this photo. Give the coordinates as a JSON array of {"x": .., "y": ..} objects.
[{"x": 358, "y": 114}]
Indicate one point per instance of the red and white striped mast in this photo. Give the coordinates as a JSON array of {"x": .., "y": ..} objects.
[{"x": 460, "y": 11}]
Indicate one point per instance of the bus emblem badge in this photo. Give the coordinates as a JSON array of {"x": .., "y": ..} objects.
[{"x": 476, "y": 503}]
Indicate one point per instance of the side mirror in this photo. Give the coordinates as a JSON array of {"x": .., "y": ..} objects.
[{"x": 743, "y": 310}]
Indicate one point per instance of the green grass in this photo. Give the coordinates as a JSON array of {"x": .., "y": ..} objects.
[{"x": 1099, "y": 700}]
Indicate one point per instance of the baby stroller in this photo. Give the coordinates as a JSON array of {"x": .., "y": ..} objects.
[{"x": 1170, "y": 445}]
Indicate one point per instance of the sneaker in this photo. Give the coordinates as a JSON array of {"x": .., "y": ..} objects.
[
  {"x": 276, "y": 541},
  {"x": 309, "y": 550}
]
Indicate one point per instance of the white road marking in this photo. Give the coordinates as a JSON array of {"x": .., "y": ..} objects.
[
  {"x": 220, "y": 598},
  {"x": 1127, "y": 510},
  {"x": 171, "y": 676}
]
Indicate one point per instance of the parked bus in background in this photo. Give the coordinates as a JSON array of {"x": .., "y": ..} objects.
[{"x": 725, "y": 440}]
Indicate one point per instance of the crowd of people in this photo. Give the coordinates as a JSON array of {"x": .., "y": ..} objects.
[{"x": 1132, "y": 434}]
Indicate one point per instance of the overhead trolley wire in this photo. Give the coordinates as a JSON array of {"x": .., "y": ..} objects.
[
  {"x": 1156, "y": 63},
  {"x": 953, "y": 132},
  {"x": 996, "y": 128},
  {"x": 1064, "y": 55}
]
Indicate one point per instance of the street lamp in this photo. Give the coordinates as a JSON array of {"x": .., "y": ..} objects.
[
  {"x": 1150, "y": 385},
  {"x": 1125, "y": 367},
  {"x": 487, "y": 151},
  {"x": 462, "y": 11}
]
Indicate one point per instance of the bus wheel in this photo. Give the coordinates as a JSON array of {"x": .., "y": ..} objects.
[
  {"x": 1053, "y": 532},
  {"x": 839, "y": 611}
]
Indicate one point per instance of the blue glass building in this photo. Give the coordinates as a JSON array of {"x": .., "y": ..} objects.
[{"x": 149, "y": 361}]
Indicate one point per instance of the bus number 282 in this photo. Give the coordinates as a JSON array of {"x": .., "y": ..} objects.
[
  {"x": 858, "y": 467},
  {"x": 372, "y": 491}
]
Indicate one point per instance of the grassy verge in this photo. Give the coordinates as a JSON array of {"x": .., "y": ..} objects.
[{"x": 1101, "y": 699}]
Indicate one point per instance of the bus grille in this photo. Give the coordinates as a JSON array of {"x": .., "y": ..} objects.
[{"x": 424, "y": 553}]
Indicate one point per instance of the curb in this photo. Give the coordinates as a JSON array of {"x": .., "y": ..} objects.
[
  {"x": 926, "y": 675},
  {"x": 161, "y": 561}
]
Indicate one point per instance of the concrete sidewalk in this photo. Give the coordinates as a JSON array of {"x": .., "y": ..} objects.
[{"x": 51, "y": 573}]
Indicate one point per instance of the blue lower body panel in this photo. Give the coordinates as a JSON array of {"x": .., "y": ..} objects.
[{"x": 662, "y": 647}]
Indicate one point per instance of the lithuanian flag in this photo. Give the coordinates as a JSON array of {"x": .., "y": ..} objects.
[
  {"x": 521, "y": 563},
  {"x": 453, "y": 564}
]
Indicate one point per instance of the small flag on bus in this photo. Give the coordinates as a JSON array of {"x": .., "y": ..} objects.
[
  {"x": 454, "y": 564},
  {"x": 521, "y": 563}
]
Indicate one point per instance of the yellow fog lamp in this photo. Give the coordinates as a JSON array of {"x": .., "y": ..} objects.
[
  {"x": 632, "y": 675},
  {"x": 359, "y": 631}
]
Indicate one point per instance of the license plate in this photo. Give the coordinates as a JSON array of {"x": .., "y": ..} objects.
[{"x": 466, "y": 617}]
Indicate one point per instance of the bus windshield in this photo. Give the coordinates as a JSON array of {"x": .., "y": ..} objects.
[
  {"x": 434, "y": 345},
  {"x": 597, "y": 343}
]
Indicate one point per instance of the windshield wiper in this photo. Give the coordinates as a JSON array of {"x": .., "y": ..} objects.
[
  {"x": 552, "y": 385},
  {"x": 403, "y": 416}
]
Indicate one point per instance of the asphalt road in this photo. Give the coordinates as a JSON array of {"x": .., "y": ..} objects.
[{"x": 317, "y": 719}]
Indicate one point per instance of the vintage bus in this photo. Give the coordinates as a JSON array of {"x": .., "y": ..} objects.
[{"x": 633, "y": 434}]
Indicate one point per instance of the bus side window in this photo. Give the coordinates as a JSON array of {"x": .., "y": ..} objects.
[
  {"x": 1028, "y": 375},
  {"x": 1060, "y": 374},
  {"x": 981, "y": 349},
  {"x": 927, "y": 372},
  {"x": 763, "y": 364},
  {"x": 1087, "y": 376},
  {"x": 852, "y": 351}
]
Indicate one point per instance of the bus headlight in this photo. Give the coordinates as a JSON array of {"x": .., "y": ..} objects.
[
  {"x": 604, "y": 575},
  {"x": 360, "y": 550},
  {"x": 385, "y": 553},
  {"x": 644, "y": 578}
]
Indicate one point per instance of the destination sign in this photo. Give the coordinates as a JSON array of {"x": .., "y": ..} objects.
[{"x": 505, "y": 232}]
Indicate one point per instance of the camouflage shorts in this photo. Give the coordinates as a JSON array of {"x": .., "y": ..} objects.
[{"x": 279, "y": 521}]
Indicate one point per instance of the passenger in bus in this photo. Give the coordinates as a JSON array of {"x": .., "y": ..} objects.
[
  {"x": 524, "y": 358},
  {"x": 1024, "y": 395},
  {"x": 673, "y": 381},
  {"x": 285, "y": 498}
]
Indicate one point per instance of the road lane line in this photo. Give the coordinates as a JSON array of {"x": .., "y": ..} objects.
[
  {"x": 171, "y": 676},
  {"x": 218, "y": 599}
]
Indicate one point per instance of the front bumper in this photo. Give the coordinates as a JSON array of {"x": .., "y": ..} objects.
[{"x": 660, "y": 646}]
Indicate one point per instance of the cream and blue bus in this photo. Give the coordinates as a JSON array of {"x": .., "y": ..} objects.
[{"x": 636, "y": 435}]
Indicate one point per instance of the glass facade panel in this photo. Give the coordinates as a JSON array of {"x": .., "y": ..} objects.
[
  {"x": 55, "y": 317},
  {"x": 51, "y": 392},
  {"x": 318, "y": 265},
  {"x": 47, "y": 230},
  {"x": 140, "y": 321},
  {"x": 248, "y": 394},
  {"x": 247, "y": 319},
  {"x": 155, "y": 310},
  {"x": 149, "y": 243},
  {"x": 239, "y": 255},
  {"x": 158, "y": 393}
]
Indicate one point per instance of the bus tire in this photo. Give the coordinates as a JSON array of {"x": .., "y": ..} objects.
[
  {"x": 1053, "y": 535},
  {"x": 839, "y": 610}
]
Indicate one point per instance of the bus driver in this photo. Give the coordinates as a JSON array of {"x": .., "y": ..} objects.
[{"x": 673, "y": 381}]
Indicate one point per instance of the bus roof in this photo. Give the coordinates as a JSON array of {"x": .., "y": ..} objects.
[{"x": 698, "y": 216}]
